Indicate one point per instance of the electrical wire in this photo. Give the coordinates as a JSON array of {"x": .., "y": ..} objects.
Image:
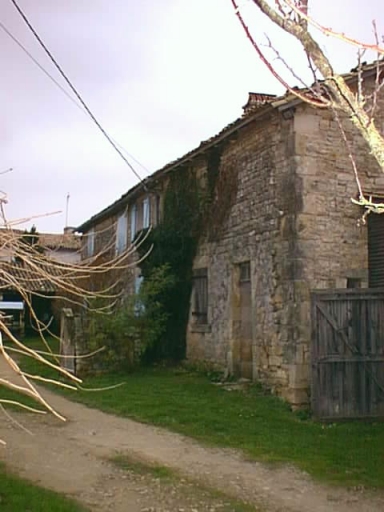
[
  {"x": 74, "y": 90},
  {"x": 63, "y": 90}
]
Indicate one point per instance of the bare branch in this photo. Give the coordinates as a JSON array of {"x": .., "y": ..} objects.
[
  {"x": 31, "y": 273},
  {"x": 298, "y": 94},
  {"x": 303, "y": 14},
  {"x": 343, "y": 98}
]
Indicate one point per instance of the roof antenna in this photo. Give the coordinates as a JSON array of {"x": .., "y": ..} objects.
[{"x": 66, "y": 211}]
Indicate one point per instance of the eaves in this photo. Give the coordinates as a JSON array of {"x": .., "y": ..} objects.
[{"x": 225, "y": 134}]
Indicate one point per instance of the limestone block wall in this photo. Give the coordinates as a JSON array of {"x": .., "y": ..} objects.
[
  {"x": 260, "y": 228},
  {"x": 331, "y": 240},
  {"x": 283, "y": 205},
  {"x": 293, "y": 219}
]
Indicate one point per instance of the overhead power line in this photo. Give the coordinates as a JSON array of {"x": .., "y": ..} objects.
[
  {"x": 63, "y": 90},
  {"x": 73, "y": 89}
]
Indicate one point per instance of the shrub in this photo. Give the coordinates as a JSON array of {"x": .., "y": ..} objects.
[{"x": 129, "y": 329}]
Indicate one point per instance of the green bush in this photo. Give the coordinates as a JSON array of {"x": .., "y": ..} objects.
[
  {"x": 153, "y": 316},
  {"x": 117, "y": 333},
  {"x": 129, "y": 329},
  {"x": 173, "y": 245}
]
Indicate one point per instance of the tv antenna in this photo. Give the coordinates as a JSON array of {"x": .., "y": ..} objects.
[{"x": 66, "y": 210}]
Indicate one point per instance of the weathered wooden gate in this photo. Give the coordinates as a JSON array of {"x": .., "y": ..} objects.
[{"x": 348, "y": 353}]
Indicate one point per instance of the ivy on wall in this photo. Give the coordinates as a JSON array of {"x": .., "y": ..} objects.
[
  {"x": 174, "y": 243},
  {"x": 193, "y": 207}
]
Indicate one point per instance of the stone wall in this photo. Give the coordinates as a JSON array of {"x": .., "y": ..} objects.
[
  {"x": 259, "y": 228},
  {"x": 293, "y": 219},
  {"x": 331, "y": 239},
  {"x": 281, "y": 203}
]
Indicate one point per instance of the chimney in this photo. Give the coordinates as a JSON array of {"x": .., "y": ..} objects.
[{"x": 255, "y": 100}]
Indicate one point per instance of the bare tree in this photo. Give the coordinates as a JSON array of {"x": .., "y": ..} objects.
[
  {"x": 329, "y": 90},
  {"x": 29, "y": 272}
]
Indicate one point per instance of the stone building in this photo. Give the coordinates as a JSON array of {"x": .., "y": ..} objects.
[
  {"x": 284, "y": 226},
  {"x": 42, "y": 294},
  {"x": 64, "y": 247}
]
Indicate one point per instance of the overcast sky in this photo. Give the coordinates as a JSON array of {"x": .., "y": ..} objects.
[{"x": 160, "y": 75}]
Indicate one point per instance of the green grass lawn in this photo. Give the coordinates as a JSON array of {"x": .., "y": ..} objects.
[
  {"x": 17, "y": 495},
  {"x": 262, "y": 426}
]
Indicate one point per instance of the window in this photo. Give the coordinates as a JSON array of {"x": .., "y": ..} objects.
[
  {"x": 90, "y": 242},
  {"x": 121, "y": 233},
  {"x": 353, "y": 282},
  {"x": 200, "y": 296},
  {"x": 245, "y": 272},
  {"x": 146, "y": 213},
  {"x": 133, "y": 222}
]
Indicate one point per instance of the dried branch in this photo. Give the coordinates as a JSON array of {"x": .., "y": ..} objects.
[
  {"x": 350, "y": 154},
  {"x": 32, "y": 273},
  {"x": 301, "y": 95},
  {"x": 334, "y": 91},
  {"x": 292, "y": 71},
  {"x": 17, "y": 423},
  {"x": 379, "y": 79},
  {"x": 343, "y": 97},
  {"x": 303, "y": 14}
]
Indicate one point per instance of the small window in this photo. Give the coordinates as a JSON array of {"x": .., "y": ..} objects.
[
  {"x": 121, "y": 233},
  {"x": 353, "y": 282},
  {"x": 133, "y": 222},
  {"x": 200, "y": 296},
  {"x": 90, "y": 242},
  {"x": 146, "y": 213},
  {"x": 245, "y": 272}
]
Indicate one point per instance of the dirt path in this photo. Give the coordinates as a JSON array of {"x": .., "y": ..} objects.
[{"x": 72, "y": 458}]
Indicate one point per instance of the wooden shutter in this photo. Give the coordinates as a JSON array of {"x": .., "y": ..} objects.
[{"x": 376, "y": 250}]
